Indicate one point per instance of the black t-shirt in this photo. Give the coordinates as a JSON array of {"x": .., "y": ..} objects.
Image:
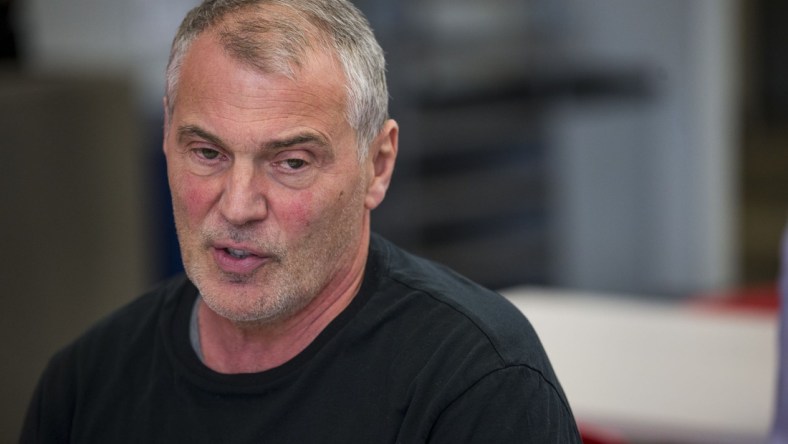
[{"x": 420, "y": 355}]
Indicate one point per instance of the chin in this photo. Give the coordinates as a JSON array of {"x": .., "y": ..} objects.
[{"x": 247, "y": 303}]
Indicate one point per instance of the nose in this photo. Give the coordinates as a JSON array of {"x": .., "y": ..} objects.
[{"x": 243, "y": 198}]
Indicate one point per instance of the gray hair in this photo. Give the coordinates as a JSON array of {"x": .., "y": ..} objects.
[{"x": 275, "y": 39}]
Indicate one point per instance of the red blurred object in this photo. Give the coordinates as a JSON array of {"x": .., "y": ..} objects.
[
  {"x": 758, "y": 298},
  {"x": 597, "y": 435}
]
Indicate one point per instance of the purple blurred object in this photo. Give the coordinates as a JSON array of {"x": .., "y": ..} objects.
[{"x": 780, "y": 427}]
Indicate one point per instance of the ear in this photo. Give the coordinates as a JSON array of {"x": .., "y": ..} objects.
[
  {"x": 166, "y": 104},
  {"x": 380, "y": 161}
]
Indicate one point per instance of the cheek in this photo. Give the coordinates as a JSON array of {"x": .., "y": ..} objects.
[
  {"x": 323, "y": 213},
  {"x": 191, "y": 198},
  {"x": 300, "y": 211},
  {"x": 311, "y": 213}
]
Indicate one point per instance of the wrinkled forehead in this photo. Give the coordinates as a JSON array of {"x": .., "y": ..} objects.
[
  {"x": 272, "y": 38},
  {"x": 216, "y": 85},
  {"x": 209, "y": 64}
]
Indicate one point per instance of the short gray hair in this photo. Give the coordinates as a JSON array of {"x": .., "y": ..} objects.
[{"x": 274, "y": 39}]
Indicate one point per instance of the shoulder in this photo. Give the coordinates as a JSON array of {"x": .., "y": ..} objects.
[
  {"x": 473, "y": 309},
  {"x": 133, "y": 322},
  {"x": 92, "y": 367},
  {"x": 457, "y": 342}
]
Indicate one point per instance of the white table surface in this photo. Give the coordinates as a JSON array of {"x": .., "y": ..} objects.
[{"x": 665, "y": 372}]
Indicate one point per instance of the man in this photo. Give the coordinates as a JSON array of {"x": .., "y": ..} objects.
[{"x": 295, "y": 324}]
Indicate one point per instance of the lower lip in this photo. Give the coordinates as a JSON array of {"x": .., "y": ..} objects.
[{"x": 231, "y": 264}]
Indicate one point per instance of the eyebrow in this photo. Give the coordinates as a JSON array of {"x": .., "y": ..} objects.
[
  {"x": 298, "y": 139},
  {"x": 187, "y": 131}
]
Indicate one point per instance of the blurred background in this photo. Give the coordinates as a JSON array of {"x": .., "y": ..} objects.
[{"x": 633, "y": 148}]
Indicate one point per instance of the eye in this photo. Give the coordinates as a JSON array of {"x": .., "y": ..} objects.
[
  {"x": 207, "y": 153},
  {"x": 295, "y": 164},
  {"x": 295, "y": 169}
]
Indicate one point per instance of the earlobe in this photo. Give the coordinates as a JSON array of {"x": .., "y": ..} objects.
[{"x": 382, "y": 157}]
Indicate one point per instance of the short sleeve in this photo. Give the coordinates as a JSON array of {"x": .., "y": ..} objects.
[
  {"x": 511, "y": 405},
  {"x": 50, "y": 410}
]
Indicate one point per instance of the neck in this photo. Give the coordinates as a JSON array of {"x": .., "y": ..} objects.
[{"x": 231, "y": 348}]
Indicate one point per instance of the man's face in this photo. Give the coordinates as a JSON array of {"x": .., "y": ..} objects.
[{"x": 268, "y": 194}]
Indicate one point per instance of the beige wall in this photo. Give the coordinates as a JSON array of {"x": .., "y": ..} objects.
[{"x": 72, "y": 220}]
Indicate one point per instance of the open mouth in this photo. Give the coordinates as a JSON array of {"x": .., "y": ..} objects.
[
  {"x": 237, "y": 260},
  {"x": 238, "y": 254}
]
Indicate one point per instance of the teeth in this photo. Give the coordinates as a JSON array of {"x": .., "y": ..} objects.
[{"x": 238, "y": 254}]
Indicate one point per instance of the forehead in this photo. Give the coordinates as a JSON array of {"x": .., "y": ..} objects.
[{"x": 210, "y": 73}]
